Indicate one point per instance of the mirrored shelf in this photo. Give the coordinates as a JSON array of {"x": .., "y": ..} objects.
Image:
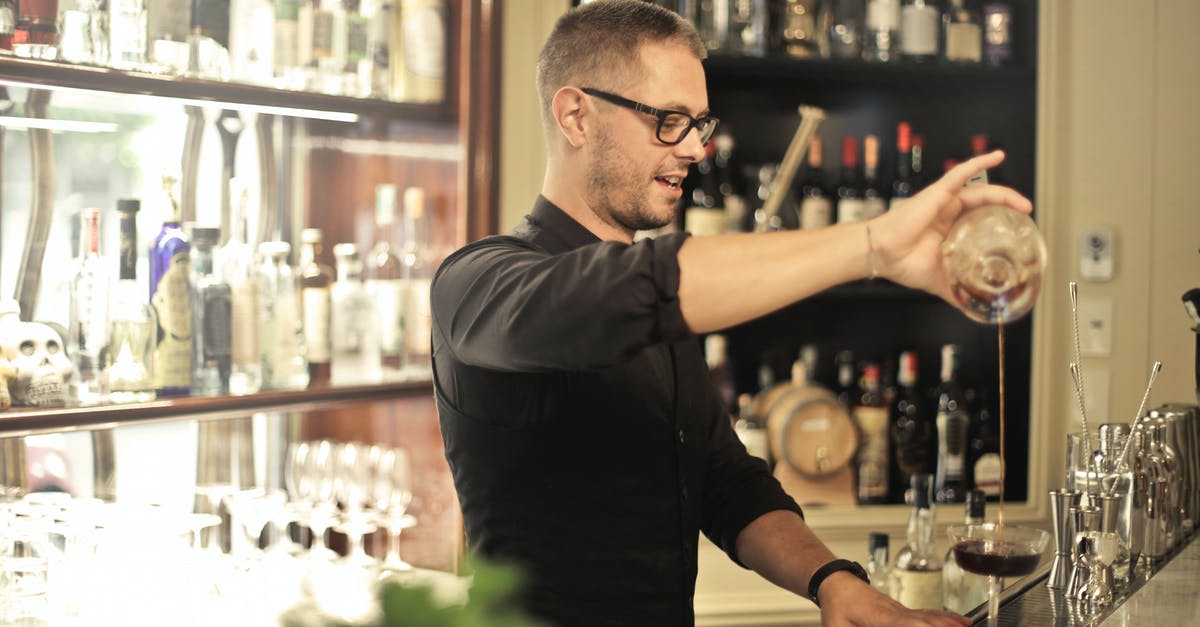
[
  {"x": 15, "y": 71},
  {"x": 20, "y": 421}
]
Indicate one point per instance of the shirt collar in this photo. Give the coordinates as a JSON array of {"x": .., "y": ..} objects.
[{"x": 562, "y": 232}]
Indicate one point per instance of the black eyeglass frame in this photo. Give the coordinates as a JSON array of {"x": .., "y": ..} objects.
[{"x": 661, "y": 115}]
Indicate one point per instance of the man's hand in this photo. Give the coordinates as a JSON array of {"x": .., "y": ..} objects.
[
  {"x": 846, "y": 601},
  {"x": 908, "y": 239}
]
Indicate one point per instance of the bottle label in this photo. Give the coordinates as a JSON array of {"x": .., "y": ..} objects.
[
  {"x": 322, "y": 35},
  {"x": 917, "y": 589},
  {"x": 172, "y": 303},
  {"x": 963, "y": 42},
  {"x": 851, "y": 210},
  {"x": 425, "y": 40},
  {"x": 987, "y": 474},
  {"x": 883, "y": 15},
  {"x": 244, "y": 344},
  {"x": 418, "y": 317},
  {"x": 316, "y": 323},
  {"x": 216, "y": 325},
  {"x": 815, "y": 213},
  {"x": 919, "y": 30},
  {"x": 388, "y": 296},
  {"x": 357, "y": 29},
  {"x": 872, "y": 452}
]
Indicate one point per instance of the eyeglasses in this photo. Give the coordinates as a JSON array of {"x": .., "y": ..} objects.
[{"x": 673, "y": 126}]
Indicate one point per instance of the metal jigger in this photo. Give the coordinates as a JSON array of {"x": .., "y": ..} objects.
[
  {"x": 1061, "y": 504},
  {"x": 1114, "y": 519},
  {"x": 1085, "y": 518},
  {"x": 1097, "y": 550}
]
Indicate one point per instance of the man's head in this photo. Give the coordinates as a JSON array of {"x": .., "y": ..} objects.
[{"x": 607, "y": 73}]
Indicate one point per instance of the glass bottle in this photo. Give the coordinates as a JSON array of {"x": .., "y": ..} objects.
[
  {"x": 997, "y": 33},
  {"x": 962, "y": 32},
  {"x": 88, "y": 333},
  {"x": 748, "y": 21},
  {"x": 877, "y": 562},
  {"x": 873, "y": 203},
  {"x": 850, "y": 207},
  {"x": 356, "y": 77},
  {"x": 952, "y": 420},
  {"x": 385, "y": 285},
  {"x": 917, "y": 574},
  {"x": 129, "y": 358},
  {"x": 816, "y": 208},
  {"x": 881, "y": 41},
  {"x": 844, "y": 363},
  {"x": 127, "y": 34},
  {"x": 316, "y": 279},
  {"x": 354, "y": 326},
  {"x": 281, "y": 333},
  {"x": 212, "y": 317},
  {"x": 35, "y": 33},
  {"x": 871, "y": 416},
  {"x": 419, "y": 60},
  {"x": 994, "y": 258},
  {"x": 963, "y": 591},
  {"x": 914, "y": 437},
  {"x": 728, "y": 182},
  {"x": 208, "y": 41},
  {"x": 846, "y": 29},
  {"x": 239, "y": 270},
  {"x": 919, "y": 26},
  {"x": 379, "y": 49},
  {"x": 170, "y": 294},
  {"x": 8, "y": 23},
  {"x": 166, "y": 32},
  {"x": 252, "y": 41},
  {"x": 418, "y": 273},
  {"x": 287, "y": 71}
]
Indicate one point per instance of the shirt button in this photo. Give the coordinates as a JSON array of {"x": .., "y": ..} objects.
[{"x": 681, "y": 438}]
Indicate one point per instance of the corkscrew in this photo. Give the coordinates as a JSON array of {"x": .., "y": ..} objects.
[{"x": 810, "y": 119}]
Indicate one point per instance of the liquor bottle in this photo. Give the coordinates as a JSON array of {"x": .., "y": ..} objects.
[
  {"x": 88, "y": 332},
  {"x": 281, "y": 333},
  {"x": 902, "y": 185},
  {"x": 844, "y": 364},
  {"x": 385, "y": 285},
  {"x": 315, "y": 280},
  {"x": 238, "y": 269},
  {"x": 877, "y": 562},
  {"x": 287, "y": 65},
  {"x": 165, "y": 30},
  {"x": 871, "y": 416},
  {"x": 353, "y": 325},
  {"x": 418, "y": 273},
  {"x": 917, "y": 574},
  {"x": 212, "y": 317},
  {"x": 997, "y": 33},
  {"x": 873, "y": 203},
  {"x": 952, "y": 421},
  {"x": 379, "y": 49},
  {"x": 356, "y": 77},
  {"x": 170, "y": 294},
  {"x": 846, "y": 29},
  {"x": 919, "y": 22},
  {"x": 881, "y": 42},
  {"x": 798, "y": 28},
  {"x": 322, "y": 44},
  {"x": 962, "y": 32},
  {"x": 252, "y": 41},
  {"x": 983, "y": 452},
  {"x": 914, "y": 436},
  {"x": 8, "y": 23},
  {"x": 748, "y": 20},
  {"x": 917, "y": 161},
  {"x": 963, "y": 591},
  {"x": 850, "y": 206},
  {"x": 35, "y": 32},
  {"x": 731, "y": 193},
  {"x": 816, "y": 208},
  {"x": 712, "y": 24},
  {"x": 719, "y": 372},
  {"x": 208, "y": 40},
  {"x": 127, "y": 34},
  {"x": 418, "y": 64},
  {"x": 129, "y": 358}
]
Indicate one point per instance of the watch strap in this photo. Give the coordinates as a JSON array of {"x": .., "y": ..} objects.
[{"x": 827, "y": 569}]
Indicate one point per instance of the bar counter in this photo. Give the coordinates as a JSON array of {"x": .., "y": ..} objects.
[{"x": 1170, "y": 596}]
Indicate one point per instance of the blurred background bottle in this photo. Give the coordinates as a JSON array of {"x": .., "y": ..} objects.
[{"x": 316, "y": 279}]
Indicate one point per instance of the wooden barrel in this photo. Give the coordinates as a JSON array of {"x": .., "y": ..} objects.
[{"x": 810, "y": 431}]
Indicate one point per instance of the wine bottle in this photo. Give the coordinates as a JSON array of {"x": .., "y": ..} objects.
[
  {"x": 816, "y": 208},
  {"x": 902, "y": 185},
  {"x": 914, "y": 437},
  {"x": 952, "y": 420},
  {"x": 170, "y": 295},
  {"x": 850, "y": 206},
  {"x": 919, "y": 26},
  {"x": 962, "y": 32},
  {"x": 873, "y": 203},
  {"x": 871, "y": 416}
]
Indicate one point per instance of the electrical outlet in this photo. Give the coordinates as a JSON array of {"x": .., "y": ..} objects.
[
  {"x": 1096, "y": 255},
  {"x": 1095, "y": 326}
]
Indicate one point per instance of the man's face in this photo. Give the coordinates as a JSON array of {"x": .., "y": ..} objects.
[{"x": 634, "y": 179}]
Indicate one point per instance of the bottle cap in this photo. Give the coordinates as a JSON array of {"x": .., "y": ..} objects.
[
  {"x": 129, "y": 205},
  {"x": 922, "y": 496},
  {"x": 311, "y": 236},
  {"x": 903, "y": 137},
  {"x": 346, "y": 249},
  {"x": 976, "y": 504},
  {"x": 414, "y": 202},
  {"x": 876, "y": 540}
]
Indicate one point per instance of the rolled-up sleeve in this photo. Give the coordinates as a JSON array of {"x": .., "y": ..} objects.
[{"x": 505, "y": 304}]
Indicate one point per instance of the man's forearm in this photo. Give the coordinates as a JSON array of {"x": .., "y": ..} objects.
[{"x": 781, "y": 547}]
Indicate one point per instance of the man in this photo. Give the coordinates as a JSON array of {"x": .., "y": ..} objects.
[{"x": 585, "y": 442}]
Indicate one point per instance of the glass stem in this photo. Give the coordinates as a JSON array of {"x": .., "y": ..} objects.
[{"x": 994, "y": 585}]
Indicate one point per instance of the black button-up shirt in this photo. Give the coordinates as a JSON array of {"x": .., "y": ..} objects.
[{"x": 585, "y": 441}]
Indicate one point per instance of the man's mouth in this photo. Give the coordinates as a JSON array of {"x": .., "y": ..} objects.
[{"x": 670, "y": 181}]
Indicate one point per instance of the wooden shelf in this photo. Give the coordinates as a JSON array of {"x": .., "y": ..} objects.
[
  {"x": 56, "y": 75},
  {"x": 19, "y": 421},
  {"x": 735, "y": 69}
]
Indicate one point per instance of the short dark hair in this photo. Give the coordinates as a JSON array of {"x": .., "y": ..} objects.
[{"x": 598, "y": 41}]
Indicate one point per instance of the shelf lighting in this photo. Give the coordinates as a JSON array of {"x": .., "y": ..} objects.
[{"x": 66, "y": 126}]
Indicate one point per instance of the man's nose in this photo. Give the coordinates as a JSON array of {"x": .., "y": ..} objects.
[{"x": 691, "y": 148}]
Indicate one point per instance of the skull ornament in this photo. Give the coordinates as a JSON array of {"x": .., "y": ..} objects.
[{"x": 37, "y": 353}]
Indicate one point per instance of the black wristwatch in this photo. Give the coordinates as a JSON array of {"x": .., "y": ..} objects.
[{"x": 814, "y": 583}]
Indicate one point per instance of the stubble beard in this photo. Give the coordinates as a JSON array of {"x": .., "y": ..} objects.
[{"x": 616, "y": 190}]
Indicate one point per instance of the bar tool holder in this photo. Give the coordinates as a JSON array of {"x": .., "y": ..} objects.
[{"x": 1061, "y": 504}]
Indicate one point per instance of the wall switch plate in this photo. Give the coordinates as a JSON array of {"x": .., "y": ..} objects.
[
  {"x": 1096, "y": 255},
  {"x": 1095, "y": 326}
]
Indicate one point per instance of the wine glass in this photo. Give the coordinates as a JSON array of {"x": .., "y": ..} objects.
[
  {"x": 994, "y": 257},
  {"x": 997, "y": 551},
  {"x": 392, "y": 493},
  {"x": 352, "y": 486}
]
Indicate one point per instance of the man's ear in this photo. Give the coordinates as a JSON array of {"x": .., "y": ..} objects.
[{"x": 572, "y": 114}]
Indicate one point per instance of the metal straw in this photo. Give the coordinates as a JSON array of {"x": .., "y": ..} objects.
[{"x": 1137, "y": 419}]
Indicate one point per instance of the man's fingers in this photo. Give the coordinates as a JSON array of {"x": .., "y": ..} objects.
[
  {"x": 958, "y": 176},
  {"x": 980, "y": 195}
]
